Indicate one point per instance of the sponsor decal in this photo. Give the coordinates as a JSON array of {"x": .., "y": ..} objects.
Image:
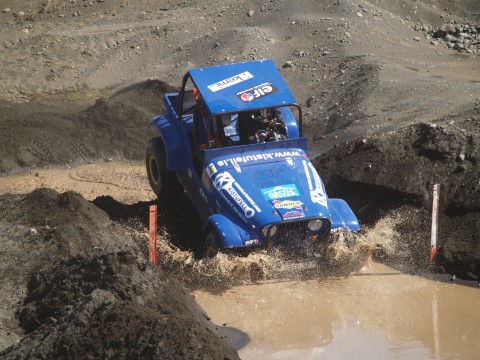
[
  {"x": 307, "y": 174},
  {"x": 280, "y": 192},
  {"x": 225, "y": 181},
  {"x": 207, "y": 174},
  {"x": 189, "y": 173},
  {"x": 293, "y": 215},
  {"x": 318, "y": 196},
  {"x": 256, "y": 92},
  {"x": 211, "y": 170},
  {"x": 257, "y": 158},
  {"x": 336, "y": 230},
  {"x": 245, "y": 194},
  {"x": 252, "y": 242},
  {"x": 287, "y": 204},
  {"x": 290, "y": 162},
  {"x": 317, "y": 193},
  {"x": 222, "y": 84}
]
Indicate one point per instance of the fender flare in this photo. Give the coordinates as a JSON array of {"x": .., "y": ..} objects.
[
  {"x": 343, "y": 216},
  {"x": 177, "y": 146},
  {"x": 231, "y": 235}
]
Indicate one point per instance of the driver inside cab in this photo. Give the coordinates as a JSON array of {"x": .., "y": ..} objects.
[{"x": 261, "y": 126}]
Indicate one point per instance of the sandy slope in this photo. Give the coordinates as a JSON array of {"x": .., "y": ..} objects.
[{"x": 358, "y": 75}]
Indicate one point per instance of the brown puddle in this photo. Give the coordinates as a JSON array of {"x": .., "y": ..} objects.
[{"x": 377, "y": 312}]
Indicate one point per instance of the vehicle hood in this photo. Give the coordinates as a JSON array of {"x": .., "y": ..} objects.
[{"x": 263, "y": 185}]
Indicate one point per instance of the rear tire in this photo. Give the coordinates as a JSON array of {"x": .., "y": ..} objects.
[
  {"x": 212, "y": 245},
  {"x": 164, "y": 183}
]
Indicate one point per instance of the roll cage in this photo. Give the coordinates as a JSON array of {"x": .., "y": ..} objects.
[{"x": 190, "y": 101}]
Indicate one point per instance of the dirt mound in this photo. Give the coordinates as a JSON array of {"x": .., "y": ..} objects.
[
  {"x": 398, "y": 170},
  {"x": 65, "y": 223},
  {"x": 113, "y": 305},
  {"x": 62, "y": 131},
  {"x": 90, "y": 290}
]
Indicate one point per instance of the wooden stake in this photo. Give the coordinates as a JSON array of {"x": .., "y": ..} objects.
[
  {"x": 152, "y": 250},
  {"x": 433, "y": 240}
]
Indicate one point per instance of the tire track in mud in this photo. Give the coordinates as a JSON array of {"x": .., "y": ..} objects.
[{"x": 123, "y": 181}]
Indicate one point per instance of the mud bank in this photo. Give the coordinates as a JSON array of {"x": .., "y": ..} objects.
[
  {"x": 76, "y": 285},
  {"x": 68, "y": 129},
  {"x": 393, "y": 174}
]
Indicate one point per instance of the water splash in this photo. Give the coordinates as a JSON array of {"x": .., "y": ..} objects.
[{"x": 225, "y": 270}]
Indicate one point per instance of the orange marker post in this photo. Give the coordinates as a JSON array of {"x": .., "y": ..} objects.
[
  {"x": 152, "y": 250},
  {"x": 433, "y": 240}
]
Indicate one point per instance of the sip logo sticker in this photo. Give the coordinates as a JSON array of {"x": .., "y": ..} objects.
[
  {"x": 222, "y": 84},
  {"x": 280, "y": 192},
  {"x": 257, "y": 92}
]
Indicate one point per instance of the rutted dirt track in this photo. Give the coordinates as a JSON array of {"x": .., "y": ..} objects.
[{"x": 389, "y": 111}]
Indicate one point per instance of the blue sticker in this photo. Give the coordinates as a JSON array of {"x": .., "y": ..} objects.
[
  {"x": 280, "y": 192},
  {"x": 294, "y": 214}
]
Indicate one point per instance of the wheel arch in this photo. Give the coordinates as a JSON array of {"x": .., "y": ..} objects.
[
  {"x": 176, "y": 144},
  {"x": 342, "y": 216},
  {"x": 231, "y": 235}
]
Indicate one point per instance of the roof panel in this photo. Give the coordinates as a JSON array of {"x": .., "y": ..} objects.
[{"x": 242, "y": 86}]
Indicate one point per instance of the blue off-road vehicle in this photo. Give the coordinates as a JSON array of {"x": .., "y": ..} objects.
[{"x": 231, "y": 139}]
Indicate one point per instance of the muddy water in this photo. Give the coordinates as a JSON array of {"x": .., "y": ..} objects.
[{"x": 376, "y": 313}]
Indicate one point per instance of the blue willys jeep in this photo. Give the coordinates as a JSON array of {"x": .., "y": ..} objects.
[{"x": 231, "y": 139}]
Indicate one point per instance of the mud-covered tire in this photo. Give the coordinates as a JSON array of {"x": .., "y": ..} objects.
[
  {"x": 164, "y": 183},
  {"x": 212, "y": 244}
]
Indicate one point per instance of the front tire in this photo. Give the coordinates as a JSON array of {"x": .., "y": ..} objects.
[
  {"x": 212, "y": 245},
  {"x": 164, "y": 183}
]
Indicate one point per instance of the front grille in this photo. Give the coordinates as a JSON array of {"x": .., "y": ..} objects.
[
  {"x": 290, "y": 232},
  {"x": 296, "y": 231}
]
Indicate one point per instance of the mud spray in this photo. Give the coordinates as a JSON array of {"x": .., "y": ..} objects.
[{"x": 339, "y": 258}]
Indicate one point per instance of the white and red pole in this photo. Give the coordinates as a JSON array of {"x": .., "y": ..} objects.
[{"x": 433, "y": 240}]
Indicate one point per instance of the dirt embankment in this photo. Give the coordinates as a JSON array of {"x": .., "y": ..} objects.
[
  {"x": 81, "y": 288},
  {"x": 62, "y": 131},
  {"x": 396, "y": 172}
]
